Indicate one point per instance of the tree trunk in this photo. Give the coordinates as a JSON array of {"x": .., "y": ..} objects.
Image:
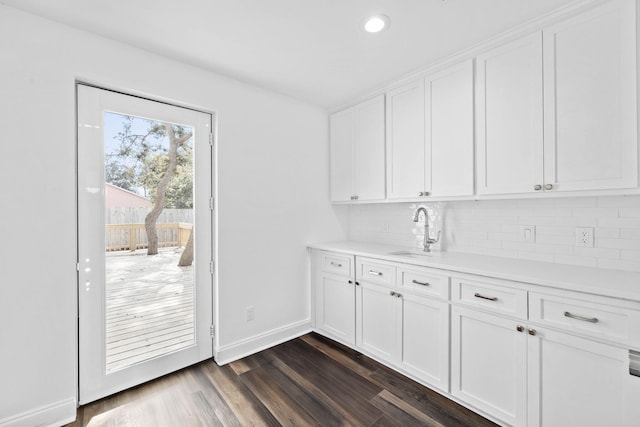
[
  {"x": 152, "y": 217},
  {"x": 186, "y": 259}
]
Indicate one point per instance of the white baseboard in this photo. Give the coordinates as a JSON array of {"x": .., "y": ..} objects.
[
  {"x": 55, "y": 414},
  {"x": 251, "y": 345}
]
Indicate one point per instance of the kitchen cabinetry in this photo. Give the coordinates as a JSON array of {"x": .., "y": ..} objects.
[
  {"x": 334, "y": 296},
  {"x": 438, "y": 162},
  {"x": 449, "y": 131},
  {"x": 406, "y": 153},
  {"x": 590, "y": 113},
  {"x": 377, "y": 309},
  {"x": 507, "y": 365},
  {"x": 523, "y": 354},
  {"x": 488, "y": 363},
  {"x": 590, "y": 100},
  {"x": 509, "y": 117},
  {"x": 489, "y": 353},
  {"x": 358, "y": 152},
  {"x": 577, "y": 381}
]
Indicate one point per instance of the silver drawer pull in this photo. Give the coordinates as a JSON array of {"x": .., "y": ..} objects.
[
  {"x": 375, "y": 273},
  {"x": 585, "y": 319},
  {"x": 420, "y": 283},
  {"x": 477, "y": 295},
  {"x": 335, "y": 264}
]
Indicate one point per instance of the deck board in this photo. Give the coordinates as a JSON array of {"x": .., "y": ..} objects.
[{"x": 149, "y": 307}]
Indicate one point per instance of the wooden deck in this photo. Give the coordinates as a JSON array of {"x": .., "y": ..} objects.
[{"x": 149, "y": 307}]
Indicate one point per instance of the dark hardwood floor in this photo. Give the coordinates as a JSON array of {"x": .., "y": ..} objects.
[{"x": 306, "y": 381}]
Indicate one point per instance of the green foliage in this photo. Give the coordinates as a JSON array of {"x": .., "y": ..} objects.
[{"x": 141, "y": 159}]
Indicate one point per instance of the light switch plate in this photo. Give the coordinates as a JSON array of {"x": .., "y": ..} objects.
[{"x": 528, "y": 233}]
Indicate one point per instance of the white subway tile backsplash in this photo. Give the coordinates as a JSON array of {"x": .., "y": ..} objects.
[
  {"x": 619, "y": 244},
  {"x": 492, "y": 227},
  {"x": 619, "y": 222}
]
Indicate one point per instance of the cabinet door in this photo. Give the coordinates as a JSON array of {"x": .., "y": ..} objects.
[
  {"x": 449, "y": 131},
  {"x": 509, "y": 82},
  {"x": 590, "y": 100},
  {"x": 489, "y": 364},
  {"x": 406, "y": 155},
  {"x": 377, "y": 322},
  {"x": 578, "y": 382},
  {"x": 335, "y": 307},
  {"x": 370, "y": 150},
  {"x": 425, "y": 339},
  {"x": 342, "y": 137}
]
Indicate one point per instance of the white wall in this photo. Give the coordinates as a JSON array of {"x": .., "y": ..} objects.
[
  {"x": 492, "y": 227},
  {"x": 273, "y": 199}
]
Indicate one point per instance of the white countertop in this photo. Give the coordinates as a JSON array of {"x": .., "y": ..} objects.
[{"x": 611, "y": 283}]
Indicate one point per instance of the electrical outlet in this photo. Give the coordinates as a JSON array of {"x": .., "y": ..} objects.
[
  {"x": 584, "y": 237},
  {"x": 385, "y": 228},
  {"x": 250, "y": 313},
  {"x": 528, "y": 233}
]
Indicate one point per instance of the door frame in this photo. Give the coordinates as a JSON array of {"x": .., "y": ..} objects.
[{"x": 213, "y": 211}]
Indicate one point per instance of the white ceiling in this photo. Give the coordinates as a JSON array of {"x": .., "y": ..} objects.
[{"x": 313, "y": 50}]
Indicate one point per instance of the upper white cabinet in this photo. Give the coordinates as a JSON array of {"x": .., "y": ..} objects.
[
  {"x": 590, "y": 101},
  {"x": 449, "y": 131},
  {"x": 406, "y": 154},
  {"x": 358, "y": 153},
  {"x": 430, "y": 136},
  {"x": 509, "y": 121},
  {"x": 583, "y": 136}
]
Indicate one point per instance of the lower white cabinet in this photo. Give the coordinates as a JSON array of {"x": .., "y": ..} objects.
[
  {"x": 410, "y": 331},
  {"x": 377, "y": 320},
  {"x": 489, "y": 363},
  {"x": 516, "y": 352},
  {"x": 580, "y": 382},
  {"x": 334, "y": 294},
  {"x": 336, "y": 311},
  {"x": 424, "y": 339}
]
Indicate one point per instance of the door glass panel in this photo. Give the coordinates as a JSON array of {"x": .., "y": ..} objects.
[{"x": 149, "y": 292}]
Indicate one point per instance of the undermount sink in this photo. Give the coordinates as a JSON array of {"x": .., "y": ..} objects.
[{"x": 415, "y": 254}]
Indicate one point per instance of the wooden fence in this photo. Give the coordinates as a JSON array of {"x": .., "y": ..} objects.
[
  {"x": 137, "y": 215},
  {"x": 129, "y": 237}
]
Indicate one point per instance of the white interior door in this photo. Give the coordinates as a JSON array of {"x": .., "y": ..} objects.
[{"x": 141, "y": 316}]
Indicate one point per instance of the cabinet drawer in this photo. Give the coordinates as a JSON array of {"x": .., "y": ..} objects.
[
  {"x": 376, "y": 272},
  {"x": 488, "y": 296},
  {"x": 337, "y": 264},
  {"x": 584, "y": 317},
  {"x": 424, "y": 282}
]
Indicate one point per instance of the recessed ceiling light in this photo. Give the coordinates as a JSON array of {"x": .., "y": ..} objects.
[{"x": 376, "y": 23}]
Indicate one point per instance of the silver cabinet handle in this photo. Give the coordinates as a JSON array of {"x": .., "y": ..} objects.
[
  {"x": 532, "y": 331},
  {"x": 420, "y": 283},
  {"x": 393, "y": 294},
  {"x": 520, "y": 328},
  {"x": 399, "y": 295},
  {"x": 375, "y": 273},
  {"x": 585, "y": 319},
  {"x": 537, "y": 187},
  {"x": 421, "y": 193},
  {"x": 477, "y": 295},
  {"x": 335, "y": 264},
  {"x": 548, "y": 186}
]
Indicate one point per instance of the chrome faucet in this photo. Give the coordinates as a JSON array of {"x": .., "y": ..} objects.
[{"x": 428, "y": 241}]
